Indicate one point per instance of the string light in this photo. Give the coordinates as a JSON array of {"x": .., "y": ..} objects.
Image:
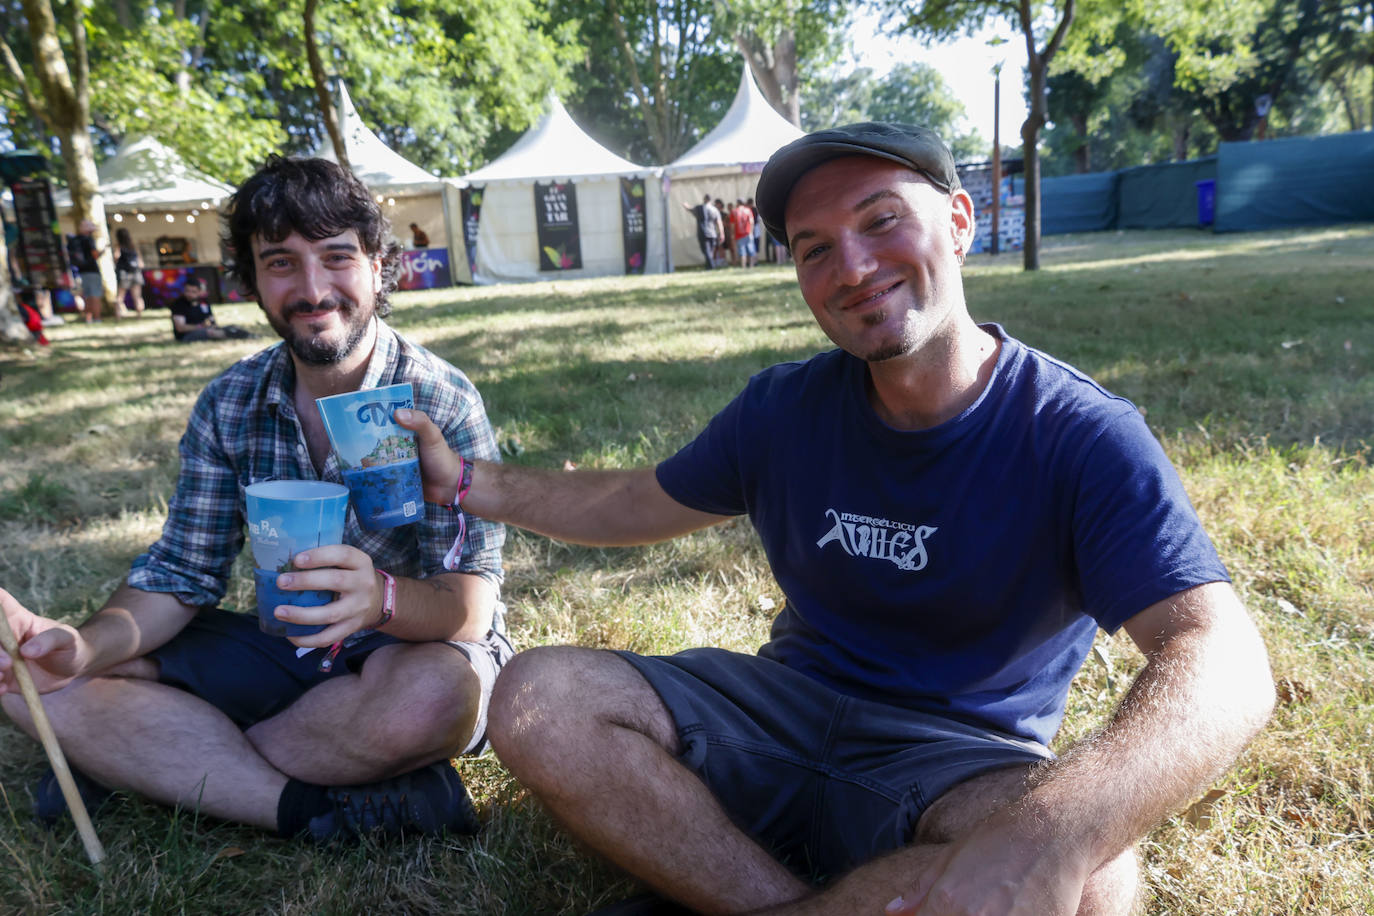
[
  {"x": 391, "y": 201},
  {"x": 119, "y": 217},
  {"x": 190, "y": 217},
  {"x": 171, "y": 218},
  {"x": 142, "y": 218}
]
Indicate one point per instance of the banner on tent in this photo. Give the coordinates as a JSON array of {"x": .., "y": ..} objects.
[
  {"x": 426, "y": 268},
  {"x": 40, "y": 249},
  {"x": 632, "y": 224},
  {"x": 555, "y": 215},
  {"x": 472, "y": 215}
]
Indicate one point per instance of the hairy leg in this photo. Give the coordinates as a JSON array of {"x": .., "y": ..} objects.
[
  {"x": 138, "y": 735},
  {"x": 588, "y": 735},
  {"x": 410, "y": 705}
]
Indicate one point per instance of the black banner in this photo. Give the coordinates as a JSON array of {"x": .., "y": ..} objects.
[
  {"x": 555, "y": 214},
  {"x": 472, "y": 215},
  {"x": 633, "y": 224},
  {"x": 40, "y": 247}
]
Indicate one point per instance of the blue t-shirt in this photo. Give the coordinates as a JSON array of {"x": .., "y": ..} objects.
[{"x": 961, "y": 570}]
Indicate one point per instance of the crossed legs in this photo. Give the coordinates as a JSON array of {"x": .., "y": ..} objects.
[
  {"x": 592, "y": 739},
  {"x": 409, "y": 705}
]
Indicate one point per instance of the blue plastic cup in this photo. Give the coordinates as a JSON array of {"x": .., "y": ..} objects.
[
  {"x": 378, "y": 459},
  {"x": 286, "y": 517}
]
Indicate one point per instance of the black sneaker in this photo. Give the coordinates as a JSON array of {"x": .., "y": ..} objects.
[
  {"x": 49, "y": 804},
  {"x": 428, "y": 801}
]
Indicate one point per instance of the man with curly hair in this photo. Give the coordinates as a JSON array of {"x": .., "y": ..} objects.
[{"x": 164, "y": 694}]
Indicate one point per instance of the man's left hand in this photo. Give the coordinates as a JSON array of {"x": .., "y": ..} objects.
[
  {"x": 1010, "y": 865},
  {"x": 336, "y": 568}
]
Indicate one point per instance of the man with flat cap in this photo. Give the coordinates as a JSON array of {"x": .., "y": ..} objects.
[{"x": 951, "y": 515}]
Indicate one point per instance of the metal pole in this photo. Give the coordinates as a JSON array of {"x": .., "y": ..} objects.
[{"x": 996, "y": 154}]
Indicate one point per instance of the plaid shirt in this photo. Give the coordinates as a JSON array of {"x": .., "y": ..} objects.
[{"x": 244, "y": 429}]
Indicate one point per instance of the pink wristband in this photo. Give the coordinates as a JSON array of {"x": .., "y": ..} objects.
[{"x": 464, "y": 482}]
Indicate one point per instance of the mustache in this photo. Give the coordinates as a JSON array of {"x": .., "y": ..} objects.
[{"x": 302, "y": 306}]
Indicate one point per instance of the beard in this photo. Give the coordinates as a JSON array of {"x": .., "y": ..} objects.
[
  {"x": 312, "y": 348},
  {"x": 889, "y": 349}
]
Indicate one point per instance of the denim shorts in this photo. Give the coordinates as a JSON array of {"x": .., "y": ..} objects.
[
  {"x": 223, "y": 658},
  {"x": 822, "y": 780}
]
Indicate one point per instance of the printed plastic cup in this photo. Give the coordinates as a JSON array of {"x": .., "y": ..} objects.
[
  {"x": 378, "y": 459},
  {"x": 286, "y": 517}
]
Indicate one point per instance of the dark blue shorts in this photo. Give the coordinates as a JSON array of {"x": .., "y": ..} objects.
[
  {"x": 823, "y": 780},
  {"x": 224, "y": 659}
]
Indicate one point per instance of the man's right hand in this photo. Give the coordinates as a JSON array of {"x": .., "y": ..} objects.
[
  {"x": 55, "y": 653},
  {"x": 440, "y": 466}
]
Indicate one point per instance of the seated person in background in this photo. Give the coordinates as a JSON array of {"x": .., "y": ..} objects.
[
  {"x": 164, "y": 694},
  {"x": 418, "y": 237},
  {"x": 193, "y": 320},
  {"x": 951, "y": 515}
]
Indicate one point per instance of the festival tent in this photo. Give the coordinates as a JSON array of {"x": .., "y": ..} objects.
[
  {"x": 560, "y": 201},
  {"x": 407, "y": 194},
  {"x": 149, "y": 189},
  {"x": 725, "y": 164}
]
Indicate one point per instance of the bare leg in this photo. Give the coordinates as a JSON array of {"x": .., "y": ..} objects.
[
  {"x": 410, "y": 705},
  {"x": 163, "y": 743},
  {"x": 588, "y": 735}
]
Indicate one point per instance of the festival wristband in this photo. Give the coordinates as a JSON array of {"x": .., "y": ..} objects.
[
  {"x": 388, "y": 599},
  {"x": 464, "y": 482}
]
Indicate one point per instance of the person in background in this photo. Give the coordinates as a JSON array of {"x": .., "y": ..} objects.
[
  {"x": 759, "y": 250},
  {"x": 85, "y": 252},
  {"x": 164, "y": 693},
  {"x": 708, "y": 229},
  {"x": 742, "y": 218},
  {"x": 418, "y": 237},
  {"x": 727, "y": 238},
  {"x": 952, "y": 516},
  {"x": 193, "y": 320},
  {"x": 128, "y": 272}
]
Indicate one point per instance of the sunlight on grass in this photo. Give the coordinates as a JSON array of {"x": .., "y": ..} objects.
[{"x": 1251, "y": 356}]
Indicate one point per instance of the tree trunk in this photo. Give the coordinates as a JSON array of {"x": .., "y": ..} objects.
[
  {"x": 68, "y": 115},
  {"x": 328, "y": 110},
  {"x": 775, "y": 69},
  {"x": 1037, "y": 67},
  {"x": 12, "y": 329}
]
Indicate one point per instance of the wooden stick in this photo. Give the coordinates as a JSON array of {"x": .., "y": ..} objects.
[{"x": 48, "y": 737}]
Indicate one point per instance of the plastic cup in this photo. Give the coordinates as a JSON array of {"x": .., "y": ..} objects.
[
  {"x": 286, "y": 517},
  {"x": 378, "y": 459}
]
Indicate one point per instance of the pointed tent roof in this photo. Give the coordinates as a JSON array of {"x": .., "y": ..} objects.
[
  {"x": 145, "y": 173},
  {"x": 751, "y": 131},
  {"x": 377, "y": 165},
  {"x": 555, "y": 148}
]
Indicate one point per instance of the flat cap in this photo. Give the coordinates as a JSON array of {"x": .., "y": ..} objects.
[{"x": 918, "y": 148}]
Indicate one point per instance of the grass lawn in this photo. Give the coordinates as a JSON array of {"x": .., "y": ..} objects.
[{"x": 1252, "y": 357}]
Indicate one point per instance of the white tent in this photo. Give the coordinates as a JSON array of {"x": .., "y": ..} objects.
[
  {"x": 725, "y": 164},
  {"x": 151, "y": 191},
  {"x": 407, "y": 193},
  {"x": 557, "y": 150}
]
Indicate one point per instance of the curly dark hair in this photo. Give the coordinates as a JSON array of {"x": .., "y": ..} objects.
[{"x": 316, "y": 198}]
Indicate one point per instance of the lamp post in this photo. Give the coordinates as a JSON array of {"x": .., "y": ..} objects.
[{"x": 996, "y": 143}]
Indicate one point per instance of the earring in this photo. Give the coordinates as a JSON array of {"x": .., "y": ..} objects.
[{"x": 959, "y": 254}]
